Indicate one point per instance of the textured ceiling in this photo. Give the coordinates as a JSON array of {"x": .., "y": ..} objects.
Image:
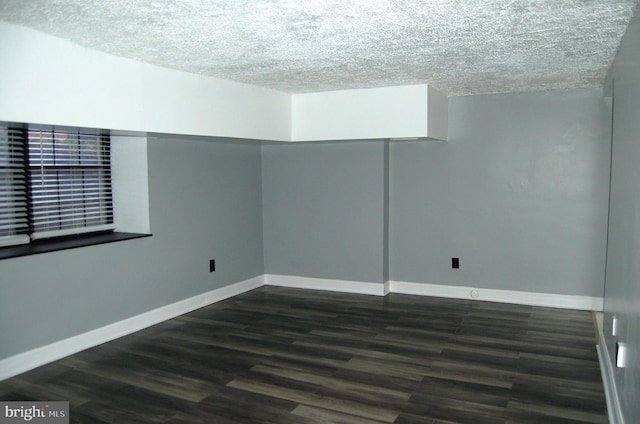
[{"x": 459, "y": 46}]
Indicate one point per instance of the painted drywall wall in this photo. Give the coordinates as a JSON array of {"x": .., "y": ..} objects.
[
  {"x": 385, "y": 213},
  {"x": 47, "y": 80},
  {"x": 518, "y": 193},
  {"x": 130, "y": 183},
  {"x": 323, "y": 210},
  {"x": 437, "y": 114},
  {"x": 388, "y": 112},
  {"x": 205, "y": 203},
  {"x": 622, "y": 287}
]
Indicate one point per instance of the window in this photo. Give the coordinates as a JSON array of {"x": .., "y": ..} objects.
[
  {"x": 53, "y": 183},
  {"x": 14, "y": 220},
  {"x": 70, "y": 183}
]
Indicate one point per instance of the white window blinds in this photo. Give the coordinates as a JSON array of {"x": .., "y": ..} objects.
[
  {"x": 70, "y": 183},
  {"x": 14, "y": 220}
]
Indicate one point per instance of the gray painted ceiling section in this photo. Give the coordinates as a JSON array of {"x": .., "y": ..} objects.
[{"x": 460, "y": 47}]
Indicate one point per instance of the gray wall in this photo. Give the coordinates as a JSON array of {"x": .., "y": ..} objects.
[
  {"x": 205, "y": 202},
  {"x": 622, "y": 294},
  {"x": 519, "y": 193},
  {"x": 324, "y": 210}
]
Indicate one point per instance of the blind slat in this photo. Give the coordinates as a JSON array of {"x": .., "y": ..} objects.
[{"x": 90, "y": 211}]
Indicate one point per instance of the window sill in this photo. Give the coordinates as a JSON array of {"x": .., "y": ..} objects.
[{"x": 64, "y": 243}]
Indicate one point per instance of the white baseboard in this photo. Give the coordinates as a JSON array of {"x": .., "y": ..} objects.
[
  {"x": 31, "y": 359},
  {"x": 437, "y": 290},
  {"x": 356, "y": 287},
  {"x": 611, "y": 392},
  {"x": 26, "y": 361},
  {"x": 503, "y": 296}
]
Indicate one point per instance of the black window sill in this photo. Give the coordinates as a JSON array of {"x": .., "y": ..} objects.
[{"x": 64, "y": 243}]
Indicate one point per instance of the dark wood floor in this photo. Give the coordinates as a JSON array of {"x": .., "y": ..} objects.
[{"x": 277, "y": 355}]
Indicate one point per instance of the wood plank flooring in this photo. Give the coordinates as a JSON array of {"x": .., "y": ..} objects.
[{"x": 278, "y": 355}]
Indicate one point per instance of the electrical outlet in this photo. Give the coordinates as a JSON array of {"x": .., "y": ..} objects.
[
  {"x": 212, "y": 265},
  {"x": 621, "y": 355},
  {"x": 455, "y": 263}
]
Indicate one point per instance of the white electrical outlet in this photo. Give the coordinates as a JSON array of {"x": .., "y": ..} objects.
[
  {"x": 615, "y": 326},
  {"x": 621, "y": 355}
]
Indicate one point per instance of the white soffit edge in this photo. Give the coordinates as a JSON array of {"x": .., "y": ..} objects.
[
  {"x": 398, "y": 112},
  {"x": 469, "y": 47}
]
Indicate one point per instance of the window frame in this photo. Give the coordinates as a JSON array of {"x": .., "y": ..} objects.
[
  {"x": 59, "y": 164},
  {"x": 80, "y": 236}
]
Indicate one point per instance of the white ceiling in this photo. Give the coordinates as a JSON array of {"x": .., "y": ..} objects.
[{"x": 459, "y": 46}]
